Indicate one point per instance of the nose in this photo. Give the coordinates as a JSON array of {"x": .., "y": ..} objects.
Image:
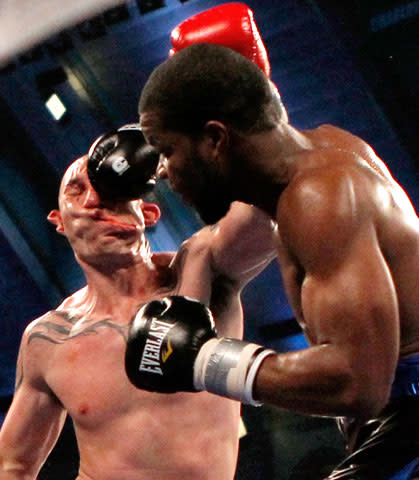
[
  {"x": 92, "y": 199},
  {"x": 162, "y": 167}
]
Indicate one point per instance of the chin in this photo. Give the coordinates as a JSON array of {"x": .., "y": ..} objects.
[
  {"x": 110, "y": 257},
  {"x": 210, "y": 195}
]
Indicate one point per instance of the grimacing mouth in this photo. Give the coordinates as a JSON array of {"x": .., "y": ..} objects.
[{"x": 100, "y": 216}]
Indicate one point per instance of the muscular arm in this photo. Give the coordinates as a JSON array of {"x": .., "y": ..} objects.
[
  {"x": 32, "y": 424},
  {"x": 347, "y": 300}
]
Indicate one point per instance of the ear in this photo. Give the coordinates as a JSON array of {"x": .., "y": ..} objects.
[
  {"x": 151, "y": 213},
  {"x": 217, "y": 134},
  {"x": 54, "y": 217}
]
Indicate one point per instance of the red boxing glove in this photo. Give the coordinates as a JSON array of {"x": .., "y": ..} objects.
[{"x": 230, "y": 25}]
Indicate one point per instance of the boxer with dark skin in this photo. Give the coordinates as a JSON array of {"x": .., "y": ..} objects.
[
  {"x": 71, "y": 359},
  {"x": 349, "y": 237}
]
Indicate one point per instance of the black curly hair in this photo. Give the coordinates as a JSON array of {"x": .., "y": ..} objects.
[{"x": 209, "y": 82}]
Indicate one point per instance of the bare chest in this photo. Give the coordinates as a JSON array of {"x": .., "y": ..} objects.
[
  {"x": 85, "y": 369},
  {"x": 86, "y": 372}
]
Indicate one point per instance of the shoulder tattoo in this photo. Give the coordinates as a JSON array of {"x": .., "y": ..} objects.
[{"x": 59, "y": 330}]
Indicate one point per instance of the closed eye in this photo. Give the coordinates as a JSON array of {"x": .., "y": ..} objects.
[{"x": 74, "y": 188}]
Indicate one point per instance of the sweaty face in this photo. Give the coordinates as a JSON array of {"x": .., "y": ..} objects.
[
  {"x": 188, "y": 165},
  {"x": 95, "y": 228}
]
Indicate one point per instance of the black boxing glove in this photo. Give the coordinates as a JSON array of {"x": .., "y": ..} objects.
[
  {"x": 121, "y": 165},
  {"x": 163, "y": 342},
  {"x": 172, "y": 347}
]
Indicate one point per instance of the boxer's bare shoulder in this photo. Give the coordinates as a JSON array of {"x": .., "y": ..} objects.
[
  {"x": 59, "y": 326},
  {"x": 37, "y": 345},
  {"x": 335, "y": 138}
]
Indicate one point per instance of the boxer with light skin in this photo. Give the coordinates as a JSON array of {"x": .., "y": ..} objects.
[
  {"x": 348, "y": 251},
  {"x": 71, "y": 358}
]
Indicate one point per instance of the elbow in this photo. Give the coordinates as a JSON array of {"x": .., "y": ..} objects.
[
  {"x": 362, "y": 398},
  {"x": 17, "y": 471},
  {"x": 360, "y": 390},
  {"x": 15, "y": 468}
]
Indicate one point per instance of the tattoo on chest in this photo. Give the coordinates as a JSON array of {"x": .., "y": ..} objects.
[{"x": 60, "y": 328}]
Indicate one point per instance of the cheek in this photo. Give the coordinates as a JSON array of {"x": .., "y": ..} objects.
[
  {"x": 183, "y": 169},
  {"x": 71, "y": 227},
  {"x": 66, "y": 205},
  {"x": 182, "y": 179},
  {"x": 70, "y": 207},
  {"x": 74, "y": 226},
  {"x": 175, "y": 171}
]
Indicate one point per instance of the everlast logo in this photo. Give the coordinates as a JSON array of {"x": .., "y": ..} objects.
[{"x": 150, "y": 361}]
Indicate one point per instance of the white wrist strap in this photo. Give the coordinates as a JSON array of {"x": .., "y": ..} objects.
[
  {"x": 228, "y": 367},
  {"x": 130, "y": 126}
]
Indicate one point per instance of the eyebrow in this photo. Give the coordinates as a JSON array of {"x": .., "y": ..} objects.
[{"x": 72, "y": 181}]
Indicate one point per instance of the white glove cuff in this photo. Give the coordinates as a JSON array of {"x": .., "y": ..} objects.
[
  {"x": 130, "y": 126},
  {"x": 228, "y": 367}
]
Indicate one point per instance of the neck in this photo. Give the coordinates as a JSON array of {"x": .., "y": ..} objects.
[
  {"x": 265, "y": 163},
  {"x": 119, "y": 288}
]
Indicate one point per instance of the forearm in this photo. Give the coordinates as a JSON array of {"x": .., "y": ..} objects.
[
  {"x": 245, "y": 242},
  {"x": 247, "y": 223},
  {"x": 29, "y": 433},
  {"x": 320, "y": 380},
  {"x": 314, "y": 381}
]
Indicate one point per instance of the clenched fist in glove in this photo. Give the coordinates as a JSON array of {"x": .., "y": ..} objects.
[
  {"x": 231, "y": 25},
  {"x": 121, "y": 165},
  {"x": 172, "y": 347}
]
